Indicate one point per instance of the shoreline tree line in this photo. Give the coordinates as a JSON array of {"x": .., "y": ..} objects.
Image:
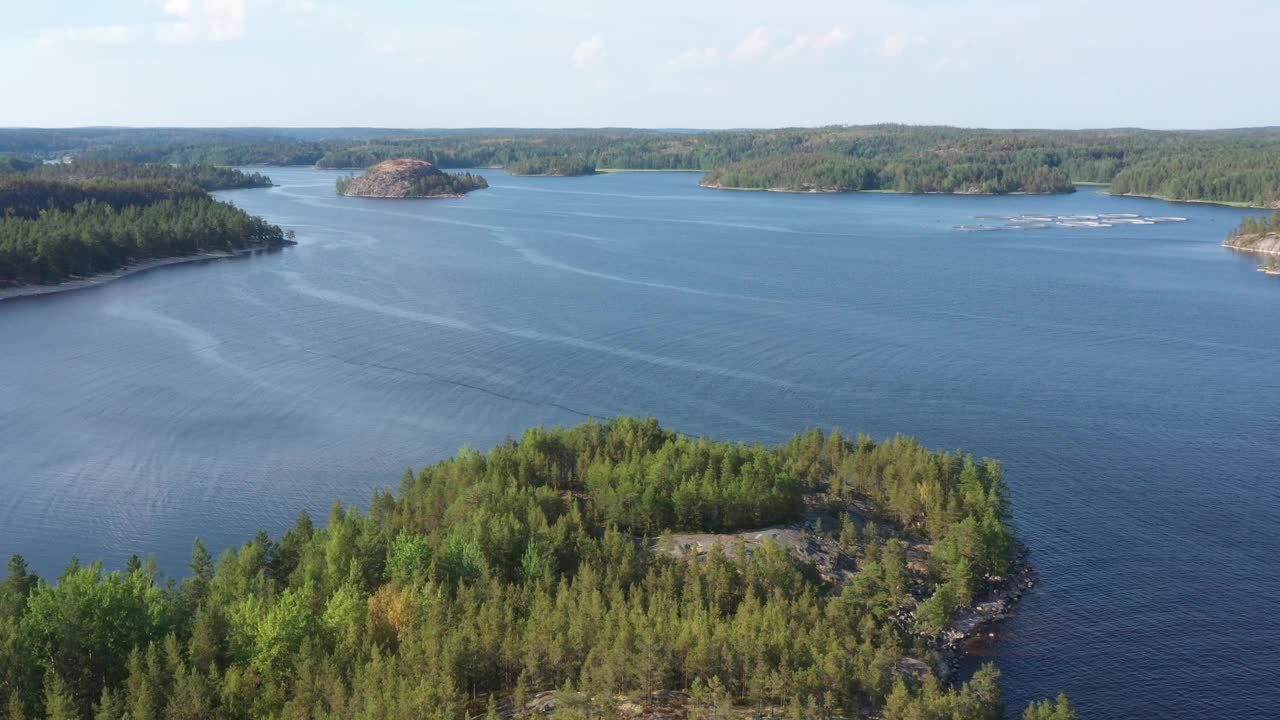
[{"x": 1238, "y": 166}]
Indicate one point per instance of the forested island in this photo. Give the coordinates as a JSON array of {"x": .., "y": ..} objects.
[
  {"x": 1228, "y": 166},
  {"x": 408, "y": 178},
  {"x": 1258, "y": 235},
  {"x": 555, "y": 575},
  {"x": 814, "y": 172},
  {"x": 102, "y": 216}
]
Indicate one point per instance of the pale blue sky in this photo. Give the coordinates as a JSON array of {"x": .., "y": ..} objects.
[{"x": 646, "y": 63}]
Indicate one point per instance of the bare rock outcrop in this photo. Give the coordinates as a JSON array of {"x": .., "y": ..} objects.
[
  {"x": 1267, "y": 243},
  {"x": 409, "y": 178}
]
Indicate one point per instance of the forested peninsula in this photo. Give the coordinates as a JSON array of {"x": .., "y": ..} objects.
[
  {"x": 1259, "y": 235},
  {"x": 812, "y": 172},
  {"x": 76, "y": 220},
  {"x": 609, "y": 569},
  {"x": 409, "y": 178},
  {"x": 1227, "y": 166},
  {"x": 207, "y": 177}
]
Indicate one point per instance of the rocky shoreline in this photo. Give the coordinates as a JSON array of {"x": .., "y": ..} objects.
[
  {"x": 1263, "y": 244},
  {"x": 998, "y": 603}
]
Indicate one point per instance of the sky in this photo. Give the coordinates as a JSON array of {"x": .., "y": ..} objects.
[{"x": 645, "y": 63}]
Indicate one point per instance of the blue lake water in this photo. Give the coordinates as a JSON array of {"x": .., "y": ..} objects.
[{"x": 1126, "y": 376}]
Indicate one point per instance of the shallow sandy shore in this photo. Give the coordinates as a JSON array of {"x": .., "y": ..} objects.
[{"x": 10, "y": 293}]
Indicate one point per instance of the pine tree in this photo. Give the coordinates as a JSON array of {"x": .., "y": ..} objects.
[
  {"x": 58, "y": 703},
  {"x": 202, "y": 571},
  {"x": 111, "y": 706},
  {"x": 14, "y": 709},
  {"x": 520, "y": 697},
  {"x": 20, "y": 580}
]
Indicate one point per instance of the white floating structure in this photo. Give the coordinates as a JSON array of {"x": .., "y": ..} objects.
[{"x": 1040, "y": 221}]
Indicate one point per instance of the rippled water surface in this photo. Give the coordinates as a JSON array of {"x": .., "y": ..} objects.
[{"x": 1127, "y": 376}]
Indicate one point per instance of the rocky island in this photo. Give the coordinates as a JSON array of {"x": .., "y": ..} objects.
[{"x": 409, "y": 178}]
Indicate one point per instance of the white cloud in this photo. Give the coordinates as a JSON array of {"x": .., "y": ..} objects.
[
  {"x": 97, "y": 35},
  {"x": 752, "y": 47},
  {"x": 809, "y": 45},
  {"x": 758, "y": 45},
  {"x": 588, "y": 52},
  {"x": 834, "y": 37},
  {"x": 895, "y": 45},
  {"x": 694, "y": 56},
  {"x": 204, "y": 20}
]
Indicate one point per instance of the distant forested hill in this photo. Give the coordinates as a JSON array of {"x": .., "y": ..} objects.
[
  {"x": 1239, "y": 166},
  {"x": 12, "y": 164},
  {"x": 566, "y": 166}
]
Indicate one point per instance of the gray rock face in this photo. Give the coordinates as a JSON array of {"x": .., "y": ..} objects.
[
  {"x": 395, "y": 179},
  {"x": 1268, "y": 243}
]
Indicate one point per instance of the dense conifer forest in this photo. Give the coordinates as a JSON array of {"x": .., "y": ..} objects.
[
  {"x": 1247, "y": 175},
  {"x": 1237, "y": 166},
  {"x": 221, "y": 154},
  {"x": 94, "y": 237},
  {"x": 207, "y": 177},
  {"x": 25, "y": 196},
  {"x": 814, "y": 172},
  {"x": 447, "y": 184},
  {"x": 58, "y": 221},
  {"x": 568, "y": 166},
  {"x": 14, "y": 164},
  {"x": 547, "y": 564}
]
